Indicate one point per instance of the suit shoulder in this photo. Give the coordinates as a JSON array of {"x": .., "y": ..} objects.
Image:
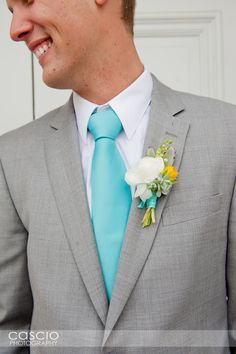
[
  {"x": 196, "y": 108},
  {"x": 29, "y": 134},
  {"x": 207, "y": 106},
  {"x": 210, "y": 118},
  {"x": 35, "y": 127}
]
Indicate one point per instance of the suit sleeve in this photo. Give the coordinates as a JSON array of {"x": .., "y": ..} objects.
[
  {"x": 231, "y": 274},
  {"x": 15, "y": 293}
]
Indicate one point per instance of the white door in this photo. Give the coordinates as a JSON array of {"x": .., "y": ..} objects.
[
  {"x": 188, "y": 44},
  {"x": 16, "y": 106}
]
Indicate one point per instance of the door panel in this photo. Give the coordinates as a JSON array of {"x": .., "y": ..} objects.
[{"x": 188, "y": 44}]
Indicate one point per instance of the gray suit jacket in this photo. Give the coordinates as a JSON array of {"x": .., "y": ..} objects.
[{"x": 179, "y": 274}]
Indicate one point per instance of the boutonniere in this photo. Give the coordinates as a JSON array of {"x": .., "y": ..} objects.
[{"x": 153, "y": 176}]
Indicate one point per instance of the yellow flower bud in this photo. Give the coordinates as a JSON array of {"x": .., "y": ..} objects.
[{"x": 171, "y": 172}]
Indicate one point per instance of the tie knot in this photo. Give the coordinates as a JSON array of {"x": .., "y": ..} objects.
[{"x": 104, "y": 124}]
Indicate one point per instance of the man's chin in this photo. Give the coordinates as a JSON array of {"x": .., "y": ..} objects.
[{"x": 55, "y": 82}]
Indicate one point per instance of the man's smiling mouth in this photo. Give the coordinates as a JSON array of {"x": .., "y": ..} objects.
[{"x": 42, "y": 48}]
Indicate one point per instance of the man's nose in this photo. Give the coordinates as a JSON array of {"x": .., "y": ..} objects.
[{"x": 20, "y": 28}]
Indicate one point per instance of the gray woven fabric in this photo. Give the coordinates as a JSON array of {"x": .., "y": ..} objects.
[{"x": 174, "y": 275}]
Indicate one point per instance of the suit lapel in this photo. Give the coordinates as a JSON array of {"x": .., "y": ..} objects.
[
  {"x": 66, "y": 178},
  {"x": 138, "y": 241},
  {"x": 65, "y": 172}
]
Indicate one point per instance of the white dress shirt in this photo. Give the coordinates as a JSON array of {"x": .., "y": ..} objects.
[{"x": 132, "y": 107}]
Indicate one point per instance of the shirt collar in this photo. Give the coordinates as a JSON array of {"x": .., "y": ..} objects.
[{"x": 130, "y": 106}]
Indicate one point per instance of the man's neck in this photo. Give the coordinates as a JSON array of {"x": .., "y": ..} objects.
[{"x": 107, "y": 77}]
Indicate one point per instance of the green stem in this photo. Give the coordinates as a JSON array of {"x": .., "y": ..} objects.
[
  {"x": 147, "y": 218},
  {"x": 153, "y": 215}
]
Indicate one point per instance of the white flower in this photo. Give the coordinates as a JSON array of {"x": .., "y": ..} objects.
[
  {"x": 143, "y": 192},
  {"x": 145, "y": 171}
]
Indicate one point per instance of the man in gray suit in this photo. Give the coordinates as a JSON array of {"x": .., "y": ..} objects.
[{"x": 175, "y": 281}]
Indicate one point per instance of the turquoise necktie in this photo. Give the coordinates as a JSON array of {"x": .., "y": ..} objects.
[{"x": 111, "y": 195}]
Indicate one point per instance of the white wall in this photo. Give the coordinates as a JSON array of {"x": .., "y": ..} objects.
[
  {"x": 16, "y": 107},
  {"x": 188, "y": 44}
]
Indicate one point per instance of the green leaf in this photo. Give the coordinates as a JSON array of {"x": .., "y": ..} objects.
[
  {"x": 170, "y": 156},
  {"x": 150, "y": 152}
]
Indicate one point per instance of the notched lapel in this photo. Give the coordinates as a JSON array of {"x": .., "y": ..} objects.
[
  {"x": 66, "y": 177},
  {"x": 138, "y": 241}
]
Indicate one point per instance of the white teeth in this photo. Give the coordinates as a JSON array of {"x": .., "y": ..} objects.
[{"x": 43, "y": 48}]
